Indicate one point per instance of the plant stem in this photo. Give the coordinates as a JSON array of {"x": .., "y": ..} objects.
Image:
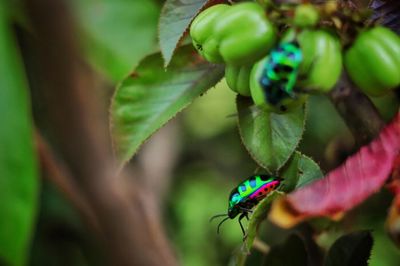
[
  {"x": 314, "y": 252},
  {"x": 357, "y": 111},
  {"x": 58, "y": 174}
]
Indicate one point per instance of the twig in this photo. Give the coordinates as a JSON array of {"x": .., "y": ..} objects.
[
  {"x": 261, "y": 246},
  {"x": 314, "y": 253},
  {"x": 54, "y": 171},
  {"x": 357, "y": 110},
  {"x": 157, "y": 159}
]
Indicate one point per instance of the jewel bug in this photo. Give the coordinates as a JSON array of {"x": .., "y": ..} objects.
[
  {"x": 247, "y": 195},
  {"x": 280, "y": 72}
]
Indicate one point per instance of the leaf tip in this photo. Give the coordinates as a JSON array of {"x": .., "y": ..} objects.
[{"x": 166, "y": 57}]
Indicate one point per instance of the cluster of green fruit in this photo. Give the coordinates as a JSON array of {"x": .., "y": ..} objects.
[{"x": 279, "y": 68}]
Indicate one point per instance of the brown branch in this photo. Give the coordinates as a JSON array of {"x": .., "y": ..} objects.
[
  {"x": 57, "y": 173},
  {"x": 78, "y": 124},
  {"x": 157, "y": 159},
  {"x": 357, "y": 110}
]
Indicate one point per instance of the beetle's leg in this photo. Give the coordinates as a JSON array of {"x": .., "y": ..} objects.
[
  {"x": 221, "y": 224},
  {"x": 245, "y": 210},
  {"x": 240, "y": 222},
  {"x": 284, "y": 93},
  {"x": 241, "y": 226},
  {"x": 300, "y": 91},
  {"x": 303, "y": 77}
]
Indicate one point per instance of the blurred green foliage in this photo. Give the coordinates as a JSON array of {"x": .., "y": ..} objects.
[
  {"x": 199, "y": 197},
  {"x": 18, "y": 169},
  {"x": 60, "y": 237},
  {"x": 116, "y": 34}
]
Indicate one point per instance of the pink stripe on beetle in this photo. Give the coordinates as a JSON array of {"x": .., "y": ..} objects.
[{"x": 261, "y": 193}]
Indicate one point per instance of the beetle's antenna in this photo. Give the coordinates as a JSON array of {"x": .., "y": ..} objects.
[
  {"x": 218, "y": 215},
  {"x": 221, "y": 223}
]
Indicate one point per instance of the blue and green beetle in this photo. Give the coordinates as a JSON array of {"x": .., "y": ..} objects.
[
  {"x": 247, "y": 195},
  {"x": 280, "y": 72}
]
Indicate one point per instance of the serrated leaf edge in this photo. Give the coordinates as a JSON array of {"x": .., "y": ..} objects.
[
  {"x": 305, "y": 107},
  {"x": 124, "y": 161}
]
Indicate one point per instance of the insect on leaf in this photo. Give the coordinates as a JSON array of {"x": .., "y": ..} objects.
[
  {"x": 363, "y": 174},
  {"x": 259, "y": 214}
]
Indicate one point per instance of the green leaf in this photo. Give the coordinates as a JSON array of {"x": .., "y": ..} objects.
[
  {"x": 151, "y": 96},
  {"x": 175, "y": 18},
  {"x": 270, "y": 138},
  {"x": 292, "y": 252},
  {"x": 117, "y": 33},
  {"x": 353, "y": 249},
  {"x": 18, "y": 169},
  {"x": 259, "y": 214},
  {"x": 299, "y": 171}
]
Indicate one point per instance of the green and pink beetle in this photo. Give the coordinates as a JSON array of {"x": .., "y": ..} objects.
[{"x": 247, "y": 195}]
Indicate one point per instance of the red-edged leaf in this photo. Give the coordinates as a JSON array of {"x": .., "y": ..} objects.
[
  {"x": 393, "y": 219},
  {"x": 363, "y": 174},
  {"x": 394, "y": 185}
]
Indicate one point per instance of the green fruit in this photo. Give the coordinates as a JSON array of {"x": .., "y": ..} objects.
[
  {"x": 237, "y": 35},
  {"x": 259, "y": 96},
  {"x": 244, "y": 34},
  {"x": 201, "y": 31},
  {"x": 306, "y": 16},
  {"x": 322, "y": 60},
  {"x": 238, "y": 79},
  {"x": 373, "y": 61}
]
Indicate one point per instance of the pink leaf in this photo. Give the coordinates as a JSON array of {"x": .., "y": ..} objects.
[
  {"x": 363, "y": 174},
  {"x": 393, "y": 218}
]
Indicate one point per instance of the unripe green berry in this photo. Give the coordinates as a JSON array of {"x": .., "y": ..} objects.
[{"x": 306, "y": 16}]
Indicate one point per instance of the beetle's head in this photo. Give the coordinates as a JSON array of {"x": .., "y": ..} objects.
[{"x": 233, "y": 211}]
